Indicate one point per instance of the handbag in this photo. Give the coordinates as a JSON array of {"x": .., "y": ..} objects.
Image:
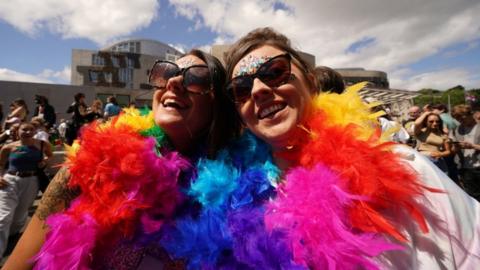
[{"x": 43, "y": 179}]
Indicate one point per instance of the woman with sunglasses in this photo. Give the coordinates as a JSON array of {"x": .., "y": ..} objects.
[
  {"x": 432, "y": 141},
  {"x": 125, "y": 177},
  {"x": 347, "y": 199}
]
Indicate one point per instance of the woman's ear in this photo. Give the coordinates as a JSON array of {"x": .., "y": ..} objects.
[{"x": 313, "y": 83}]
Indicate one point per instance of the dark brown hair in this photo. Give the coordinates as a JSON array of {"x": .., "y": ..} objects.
[
  {"x": 329, "y": 80},
  {"x": 223, "y": 127},
  {"x": 440, "y": 122},
  {"x": 260, "y": 37}
]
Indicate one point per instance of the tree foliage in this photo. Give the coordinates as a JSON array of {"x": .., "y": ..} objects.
[{"x": 457, "y": 96}]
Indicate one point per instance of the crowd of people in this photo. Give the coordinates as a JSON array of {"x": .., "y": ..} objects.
[
  {"x": 26, "y": 145},
  {"x": 248, "y": 166},
  {"x": 450, "y": 140}
]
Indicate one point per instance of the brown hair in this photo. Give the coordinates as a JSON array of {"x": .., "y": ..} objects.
[
  {"x": 329, "y": 80},
  {"x": 260, "y": 37},
  {"x": 223, "y": 126},
  {"x": 440, "y": 122}
]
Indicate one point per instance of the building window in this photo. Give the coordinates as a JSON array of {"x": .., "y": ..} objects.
[
  {"x": 93, "y": 75},
  {"x": 125, "y": 75},
  {"x": 171, "y": 57},
  {"x": 130, "y": 62},
  {"x": 137, "y": 47},
  {"x": 115, "y": 61},
  {"x": 98, "y": 60},
  {"x": 108, "y": 76}
]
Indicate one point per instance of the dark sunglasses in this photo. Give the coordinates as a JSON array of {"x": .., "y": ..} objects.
[
  {"x": 274, "y": 73},
  {"x": 196, "y": 78}
]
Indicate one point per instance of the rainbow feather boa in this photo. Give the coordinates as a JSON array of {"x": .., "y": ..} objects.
[{"x": 327, "y": 213}]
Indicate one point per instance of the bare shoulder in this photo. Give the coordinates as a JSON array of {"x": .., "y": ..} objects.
[{"x": 58, "y": 195}]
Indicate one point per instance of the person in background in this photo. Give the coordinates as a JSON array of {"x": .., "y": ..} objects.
[
  {"x": 329, "y": 80},
  {"x": 432, "y": 141},
  {"x": 95, "y": 111},
  {"x": 78, "y": 109},
  {"x": 112, "y": 108},
  {"x": 450, "y": 124},
  {"x": 413, "y": 113},
  {"x": 62, "y": 129},
  {"x": 18, "y": 112},
  {"x": 45, "y": 110},
  {"x": 18, "y": 180},
  {"x": 10, "y": 135},
  {"x": 40, "y": 129},
  {"x": 476, "y": 113},
  {"x": 466, "y": 138}
]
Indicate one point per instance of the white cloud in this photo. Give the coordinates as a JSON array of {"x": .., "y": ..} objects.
[
  {"x": 12, "y": 75},
  {"x": 99, "y": 21},
  {"x": 440, "y": 79},
  {"x": 46, "y": 76},
  {"x": 179, "y": 47},
  {"x": 402, "y": 32}
]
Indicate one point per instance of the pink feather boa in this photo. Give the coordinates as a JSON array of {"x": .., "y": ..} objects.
[{"x": 312, "y": 208}]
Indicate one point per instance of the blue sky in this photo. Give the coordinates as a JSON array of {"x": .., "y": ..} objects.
[{"x": 419, "y": 43}]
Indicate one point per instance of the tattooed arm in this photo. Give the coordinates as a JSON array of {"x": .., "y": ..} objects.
[{"x": 56, "y": 198}]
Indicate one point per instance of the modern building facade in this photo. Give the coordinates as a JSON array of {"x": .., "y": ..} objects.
[
  {"x": 122, "y": 65},
  {"x": 351, "y": 76}
]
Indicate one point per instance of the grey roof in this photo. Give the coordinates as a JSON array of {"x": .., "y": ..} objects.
[{"x": 387, "y": 96}]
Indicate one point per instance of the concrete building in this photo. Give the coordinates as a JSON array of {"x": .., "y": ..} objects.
[
  {"x": 351, "y": 76},
  {"x": 122, "y": 65}
]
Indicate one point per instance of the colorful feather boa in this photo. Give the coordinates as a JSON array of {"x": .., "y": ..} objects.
[
  {"x": 124, "y": 184},
  {"x": 236, "y": 213}
]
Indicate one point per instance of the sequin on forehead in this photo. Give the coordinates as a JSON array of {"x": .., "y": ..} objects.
[
  {"x": 250, "y": 64},
  {"x": 186, "y": 62}
]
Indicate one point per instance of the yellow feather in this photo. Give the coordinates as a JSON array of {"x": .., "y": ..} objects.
[
  {"x": 348, "y": 108},
  {"x": 131, "y": 117}
]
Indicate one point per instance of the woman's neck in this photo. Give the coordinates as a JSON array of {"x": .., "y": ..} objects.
[
  {"x": 281, "y": 163},
  {"x": 27, "y": 141}
]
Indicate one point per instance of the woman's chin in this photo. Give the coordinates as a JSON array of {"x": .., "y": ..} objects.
[{"x": 278, "y": 137}]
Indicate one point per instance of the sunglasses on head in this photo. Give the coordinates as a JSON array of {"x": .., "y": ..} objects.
[
  {"x": 274, "y": 73},
  {"x": 196, "y": 78}
]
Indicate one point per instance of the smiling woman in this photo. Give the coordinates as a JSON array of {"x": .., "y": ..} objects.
[
  {"x": 124, "y": 178},
  {"x": 348, "y": 200}
]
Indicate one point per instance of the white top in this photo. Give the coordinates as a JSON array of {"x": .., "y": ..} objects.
[
  {"x": 400, "y": 135},
  {"x": 42, "y": 136},
  {"x": 453, "y": 240}
]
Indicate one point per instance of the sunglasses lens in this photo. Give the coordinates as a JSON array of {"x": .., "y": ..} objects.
[
  {"x": 240, "y": 88},
  {"x": 197, "y": 79},
  {"x": 161, "y": 72},
  {"x": 275, "y": 72}
]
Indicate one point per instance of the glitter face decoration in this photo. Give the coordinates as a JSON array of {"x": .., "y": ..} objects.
[
  {"x": 250, "y": 64},
  {"x": 185, "y": 62}
]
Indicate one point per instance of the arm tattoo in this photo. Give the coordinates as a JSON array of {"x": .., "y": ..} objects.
[{"x": 57, "y": 197}]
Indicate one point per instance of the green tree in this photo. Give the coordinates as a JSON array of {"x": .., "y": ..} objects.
[{"x": 434, "y": 96}]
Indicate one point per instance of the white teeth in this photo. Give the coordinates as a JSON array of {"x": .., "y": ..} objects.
[
  {"x": 270, "y": 110},
  {"x": 171, "y": 103}
]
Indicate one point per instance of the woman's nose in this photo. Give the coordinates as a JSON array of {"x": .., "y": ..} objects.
[
  {"x": 175, "y": 84},
  {"x": 260, "y": 90}
]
